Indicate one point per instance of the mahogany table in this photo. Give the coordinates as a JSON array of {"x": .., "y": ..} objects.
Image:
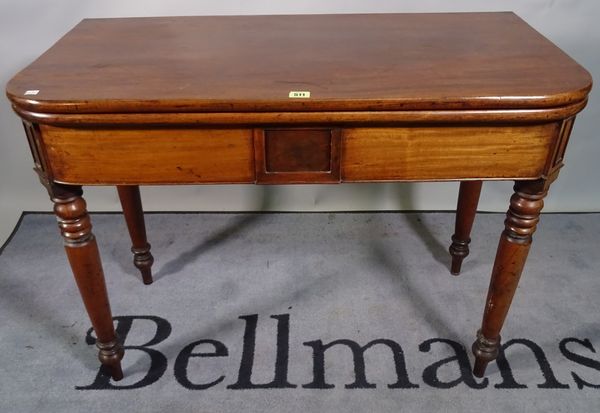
[{"x": 299, "y": 99}]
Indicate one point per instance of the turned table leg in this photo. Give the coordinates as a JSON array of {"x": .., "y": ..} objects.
[
  {"x": 521, "y": 221},
  {"x": 84, "y": 258},
  {"x": 468, "y": 198},
  {"x": 134, "y": 216}
]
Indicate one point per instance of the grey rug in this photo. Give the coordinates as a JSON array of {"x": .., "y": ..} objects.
[{"x": 296, "y": 312}]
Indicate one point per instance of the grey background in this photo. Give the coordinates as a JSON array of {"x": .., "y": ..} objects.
[{"x": 28, "y": 27}]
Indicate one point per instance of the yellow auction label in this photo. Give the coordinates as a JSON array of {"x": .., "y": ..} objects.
[{"x": 302, "y": 94}]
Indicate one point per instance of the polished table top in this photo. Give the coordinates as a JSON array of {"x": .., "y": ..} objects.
[{"x": 347, "y": 62}]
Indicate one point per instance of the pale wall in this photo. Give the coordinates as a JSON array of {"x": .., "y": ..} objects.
[{"x": 27, "y": 28}]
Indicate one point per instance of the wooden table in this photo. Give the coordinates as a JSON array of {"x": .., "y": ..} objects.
[{"x": 299, "y": 99}]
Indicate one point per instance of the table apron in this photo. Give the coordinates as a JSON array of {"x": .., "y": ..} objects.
[{"x": 199, "y": 155}]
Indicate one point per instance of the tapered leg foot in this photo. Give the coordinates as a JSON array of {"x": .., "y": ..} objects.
[
  {"x": 458, "y": 250},
  {"x": 466, "y": 208},
  {"x": 134, "y": 216},
  {"x": 143, "y": 260},
  {"x": 84, "y": 258},
  {"x": 521, "y": 221},
  {"x": 110, "y": 355},
  {"x": 485, "y": 350}
]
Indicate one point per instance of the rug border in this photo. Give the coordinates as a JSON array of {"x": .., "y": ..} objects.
[{"x": 14, "y": 231}]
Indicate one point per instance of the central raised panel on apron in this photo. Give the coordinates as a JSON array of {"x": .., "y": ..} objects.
[{"x": 297, "y": 155}]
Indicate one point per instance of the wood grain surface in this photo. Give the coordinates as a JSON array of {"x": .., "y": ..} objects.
[
  {"x": 440, "y": 153},
  {"x": 297, "y": 155},
  {"x": 146, "y": 156},
  {"x": 251, "y": 63},
  {"x": 194, "y": 155}
]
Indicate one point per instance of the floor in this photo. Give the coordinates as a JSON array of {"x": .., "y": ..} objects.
[{"x": 294, "y": 312}]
